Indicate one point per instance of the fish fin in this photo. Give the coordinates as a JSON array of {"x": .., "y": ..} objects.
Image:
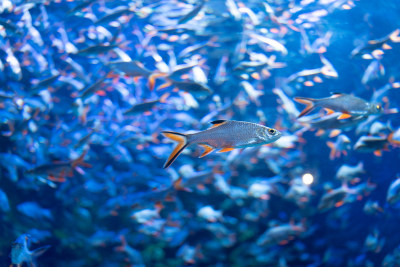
[
  {"x": 39, "y": 251},
  {"x": 329, "y": 111},
  {"x": 152, "y": 79},
  {"x": 391, "y": 140},
  {"x": 338, "y": 204},
  {"x": 331, "y": 145},
  {"x": 79, "y": 161},
  {"x": 178, "y": 185},
  {"x": 207, "y": 150},
  {"x": 335, "y": 94},
  {"x": 386, "y": 47},
  {"x": 378, "y": 153},
  {"x": 320, "y": 132},
  {"x": 218, "y": 123},
  {"x": 181, "y": 139},
  {"x": 394, "y": 36},
  {"x": 334, "y": 133},
  {"x": 226, "y": 149},
  {"x": 165, "y": 85},
  {"x": 344, "y": 116},
  {"x": 309, "y": 102}
]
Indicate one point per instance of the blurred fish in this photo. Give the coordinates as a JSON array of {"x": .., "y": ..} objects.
[
  {"x": 372, "y": 208},
  {"x": 339, "y": 147},
  {"x": 376, "y": 44},
  {"x": 135, "y": 258},
  {"x": 224, "y": 135},
  {"x": 20, "y": 252},
  {"x": 335, "y": 198},
  {"x": 347, "y": 173},
  {"x": 192, "y": 14},
  {"x": 393, "y": 193},
  {"x": 372, "y": 144},
  {"x": 209, "y": 214},
  {"x": 347, "y": 104},
  {"x": 58, "y": 171},
  {"x": 280, "y": 234}
]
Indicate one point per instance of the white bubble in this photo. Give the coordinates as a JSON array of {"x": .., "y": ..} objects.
[{"x": 308, "y": 178}]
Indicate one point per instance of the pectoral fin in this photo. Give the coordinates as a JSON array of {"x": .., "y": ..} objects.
[
  {"x": 207, "y": 150},
  {"x": 344, "y": 116}
]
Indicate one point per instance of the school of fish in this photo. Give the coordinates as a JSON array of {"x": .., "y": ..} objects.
[{"x": 110, "y": 112}]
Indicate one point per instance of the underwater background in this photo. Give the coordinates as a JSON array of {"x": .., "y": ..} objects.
[{"x": 87, "y": 87}]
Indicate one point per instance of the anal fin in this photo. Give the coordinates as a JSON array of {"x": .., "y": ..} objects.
[
  {"x": 207, "y": 150},
  {"x": 226, "y": 149}
]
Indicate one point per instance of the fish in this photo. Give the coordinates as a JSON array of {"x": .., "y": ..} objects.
[
  {"x": 373, "y": 144},
  {"x": 280, "y": 234},
  {"x": 347, "y": 104},
  {"x": 58, "y": 171},
  {"x": 393, "y": 193},
  {"x": 20, "y": 252},
  {"x": 347, "y": 173},
  {"x": 192, "y": 14},
  {"x": 372, "y": 45},
  {"x": 224, "y": 135},
  {"x": 339, "y": 147}
]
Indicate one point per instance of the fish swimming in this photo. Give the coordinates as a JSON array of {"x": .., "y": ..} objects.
[
  {"x": 347, "y": 104},
  {"x": 224, "y": 135},
  {"x": 20, "y": 252}
]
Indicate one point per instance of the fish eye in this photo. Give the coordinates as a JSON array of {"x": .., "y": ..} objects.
[
  {"x": 378, "y": 107},
  {"x": 271, "y": 131}
]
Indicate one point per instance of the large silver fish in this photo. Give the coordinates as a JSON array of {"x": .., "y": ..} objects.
[{"x": 223, "y": 135}]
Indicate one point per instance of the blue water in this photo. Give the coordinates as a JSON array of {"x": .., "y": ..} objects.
[{"x": 120, "y": 193}]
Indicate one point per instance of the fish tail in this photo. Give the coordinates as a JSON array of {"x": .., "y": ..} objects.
[
  {"x": 181, "y": 139},
  {"x": 309, "y": 102},
  {"x": 79, "y": 161}
]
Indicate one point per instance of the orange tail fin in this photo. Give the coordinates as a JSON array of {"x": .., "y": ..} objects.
[
  {"x": 309, "y": 102},
  {"x": 182, "y": 144}
]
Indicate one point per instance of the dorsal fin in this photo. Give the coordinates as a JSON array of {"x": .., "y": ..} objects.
[
  {"x": 336, "y": 94},
  {"x": 218, "y": 122}
]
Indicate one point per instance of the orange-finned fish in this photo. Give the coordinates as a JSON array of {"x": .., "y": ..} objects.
[
  {"x": 347, "y": 104},
  {"x": 223, "y": 135}
]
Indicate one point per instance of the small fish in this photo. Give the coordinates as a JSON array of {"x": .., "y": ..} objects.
[
  {"x": 335, "y": 198},
  {"x": 225, "y": 135},
  {"x": 372, "y": 207},
  {"x": 96, "y": 49},
  {"x": 372, "y": 144},
  {"x": 339, "y": 147},
  {"x": 196, "y": 89},
  {"x": 372, "y": 45},
  {"x": 57, "y": 171},
  {"x": 280, "y": 234},
  {"x": 141, "y": 107},
  {"x": 20, "y": 252},
  {"x": 192, "y": 14},
  {"x": 348, "y": 173},
  {"x": 347, "y": 104},
  {"x": 209, "y": 214},
  {"x": 393, "y": 193}
]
